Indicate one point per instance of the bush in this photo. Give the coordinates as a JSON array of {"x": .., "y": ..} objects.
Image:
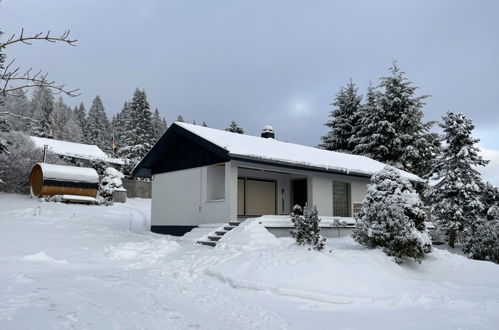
[
  {"x": 484, "y": 243},
  {"x": 17, "y": 163},
  {"x": 307, "y": 231},
  {"x": 392, "y": 218},
  {"x": 110, "y": 182}
]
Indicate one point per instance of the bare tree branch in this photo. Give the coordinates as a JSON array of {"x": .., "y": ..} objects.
[
  {"x": 25, "y": 80},
  {"x": 64, "y": 37}
]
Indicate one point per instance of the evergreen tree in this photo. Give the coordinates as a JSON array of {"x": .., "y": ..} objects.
[
  {"x": 98, "y": 128},
  {"x": 43, "y": 111},
  {"x": 234, "y": 128},
  {"x": 392, "y": 218},
  {"x": 158, "y": 125},
  {"x": 373, "y": 138},
  {"x": 307, "y": 231},
  {"x": 456, "y": 200},
  {"x": 119, "y": 125},
  {"x": 344, "y": 123},
  {"x": 180, "y": 119},
  {"x": 204, "y": 124},
  {"x": 66, "y": 127},
  {"x": 80, "y": 115},
  {"x": 138, "y": 136},
  {"x": 407, "y": 135}
]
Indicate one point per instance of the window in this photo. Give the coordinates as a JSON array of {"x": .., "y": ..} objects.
[
  {"x": 215, "y": 182},
  {"x": 341, "y": 199}
]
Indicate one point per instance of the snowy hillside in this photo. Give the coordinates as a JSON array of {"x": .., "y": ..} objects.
[{"x": 96, "y": 267}]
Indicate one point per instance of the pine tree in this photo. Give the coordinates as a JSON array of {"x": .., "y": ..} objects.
[
  {"x": 158, "y": 125},
  {"x": 138, "y": 137},
  {"x": 66, "y": 127},
  {"x": 456, "y": 197},
  {"x": 98, "y": 128},
  {"x": 373, "y": 138},
  {"x": 81, "y": 118},
  {"x": 392, "y": 218},
  {"x": 204, "y": 124},
  {"x": 344, "y": 123},
  {"x": 180, "y": 119},
  {"x": 307, "y": 230},
  {"x": 43, "y": 111},
  {"x": 234, "y": 128},
  {"x": 407, "y": 135}
]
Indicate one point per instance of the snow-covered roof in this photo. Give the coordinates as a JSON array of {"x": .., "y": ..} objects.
[
  {"x": 280, "y": 152},
  {"x": 68, "y": 173},
  {"x": 73, "y": 149}
]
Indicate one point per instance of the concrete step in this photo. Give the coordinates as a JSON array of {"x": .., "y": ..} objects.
[
  {"x": 235, "y": 223},
  {"x": 221, "y": 232},
  {"x": 214, "y": 238},
  {"x": 208, "y": 243},
  {"x": 229, "y": 227}
]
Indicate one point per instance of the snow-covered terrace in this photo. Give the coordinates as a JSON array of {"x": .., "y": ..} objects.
[{"x": 75, "y": 150}]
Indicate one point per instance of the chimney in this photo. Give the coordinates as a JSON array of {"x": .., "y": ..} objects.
[{"x": 268, "y": 132}]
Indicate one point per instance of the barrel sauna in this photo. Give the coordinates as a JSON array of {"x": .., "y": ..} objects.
[{"x": 49, "y": 180}]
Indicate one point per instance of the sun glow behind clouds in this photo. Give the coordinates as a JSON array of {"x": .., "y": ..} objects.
[{"x": 300, "y": 108}]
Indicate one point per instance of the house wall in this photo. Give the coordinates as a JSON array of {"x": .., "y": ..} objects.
[{"x": 180, "y": 199}]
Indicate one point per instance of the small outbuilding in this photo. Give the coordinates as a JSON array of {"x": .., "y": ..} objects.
[{"x": 49, "y": 180}]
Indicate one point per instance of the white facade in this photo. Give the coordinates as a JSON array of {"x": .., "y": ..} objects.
[{"x": 209, "y": 194}]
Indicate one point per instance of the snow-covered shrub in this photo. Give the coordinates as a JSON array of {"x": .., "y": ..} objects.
[
  {"x": 17, "y": 163},
  {"x": 493, "y": 213},
  {"x": 484, "y": 243},
  {"x": 110, "y": 182},
  {"x": 307, "y": 231},
  {"x": 392, "y": 218}
]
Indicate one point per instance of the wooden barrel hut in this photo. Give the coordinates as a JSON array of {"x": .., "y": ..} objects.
[{"x": 49, "y": 180}]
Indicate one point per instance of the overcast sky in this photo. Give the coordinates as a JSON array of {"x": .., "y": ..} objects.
[{"x": 268, "y": 62}]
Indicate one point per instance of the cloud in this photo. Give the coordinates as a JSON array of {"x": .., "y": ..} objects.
[{"x": 491, "y": 171}]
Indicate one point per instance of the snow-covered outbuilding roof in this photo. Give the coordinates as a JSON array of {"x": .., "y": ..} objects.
[
  {"x": 68, "y": 173},
  {"x": 73, "y": 149},
  {"x": 268, "y": 150}
]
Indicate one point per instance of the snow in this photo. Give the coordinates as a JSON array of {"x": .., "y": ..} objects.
[
  {"x": 284, "y": 221},
  {"x": 73, "y": 149},
  {"x": 69, "y": 173},
  {"x": 98, "y": 267},
  {"x": 280, "y": 152}
]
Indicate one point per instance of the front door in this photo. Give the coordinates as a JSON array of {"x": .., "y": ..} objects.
[{"x": 300, "y": 196}]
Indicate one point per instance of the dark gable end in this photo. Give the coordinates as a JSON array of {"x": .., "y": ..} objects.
[{"x": 179, "y": 149}]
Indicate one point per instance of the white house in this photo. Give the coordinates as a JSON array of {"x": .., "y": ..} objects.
[{"x": 203, "y": 175}]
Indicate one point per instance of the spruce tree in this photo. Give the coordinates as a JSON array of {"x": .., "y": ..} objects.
[
  {"x": 98, "y": 130},
  {"x": 406, "y": 134},
  {"x": 138, "y": 137},
  {"x": 66, "y": 127},
  {"x": 158, "y": 125},
  {"x": 234, "y": 128},
  {"x": 392, "y": 218},
  {"x": 456, "y": 199},
  {"x": 204, "y": 124},
  {"x": 373, "y": 138},
  {"x": 180, "y": 119},
  {"x": 43, "y": 111},
  {"x": 81, "y": 118},
  {"x": 344, "y": 123}
]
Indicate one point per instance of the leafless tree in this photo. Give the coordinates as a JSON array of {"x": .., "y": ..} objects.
[{"x": 14, "y": 78}]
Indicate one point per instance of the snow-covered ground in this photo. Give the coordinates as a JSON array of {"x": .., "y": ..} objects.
[{"x": 97, "y": 267}]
